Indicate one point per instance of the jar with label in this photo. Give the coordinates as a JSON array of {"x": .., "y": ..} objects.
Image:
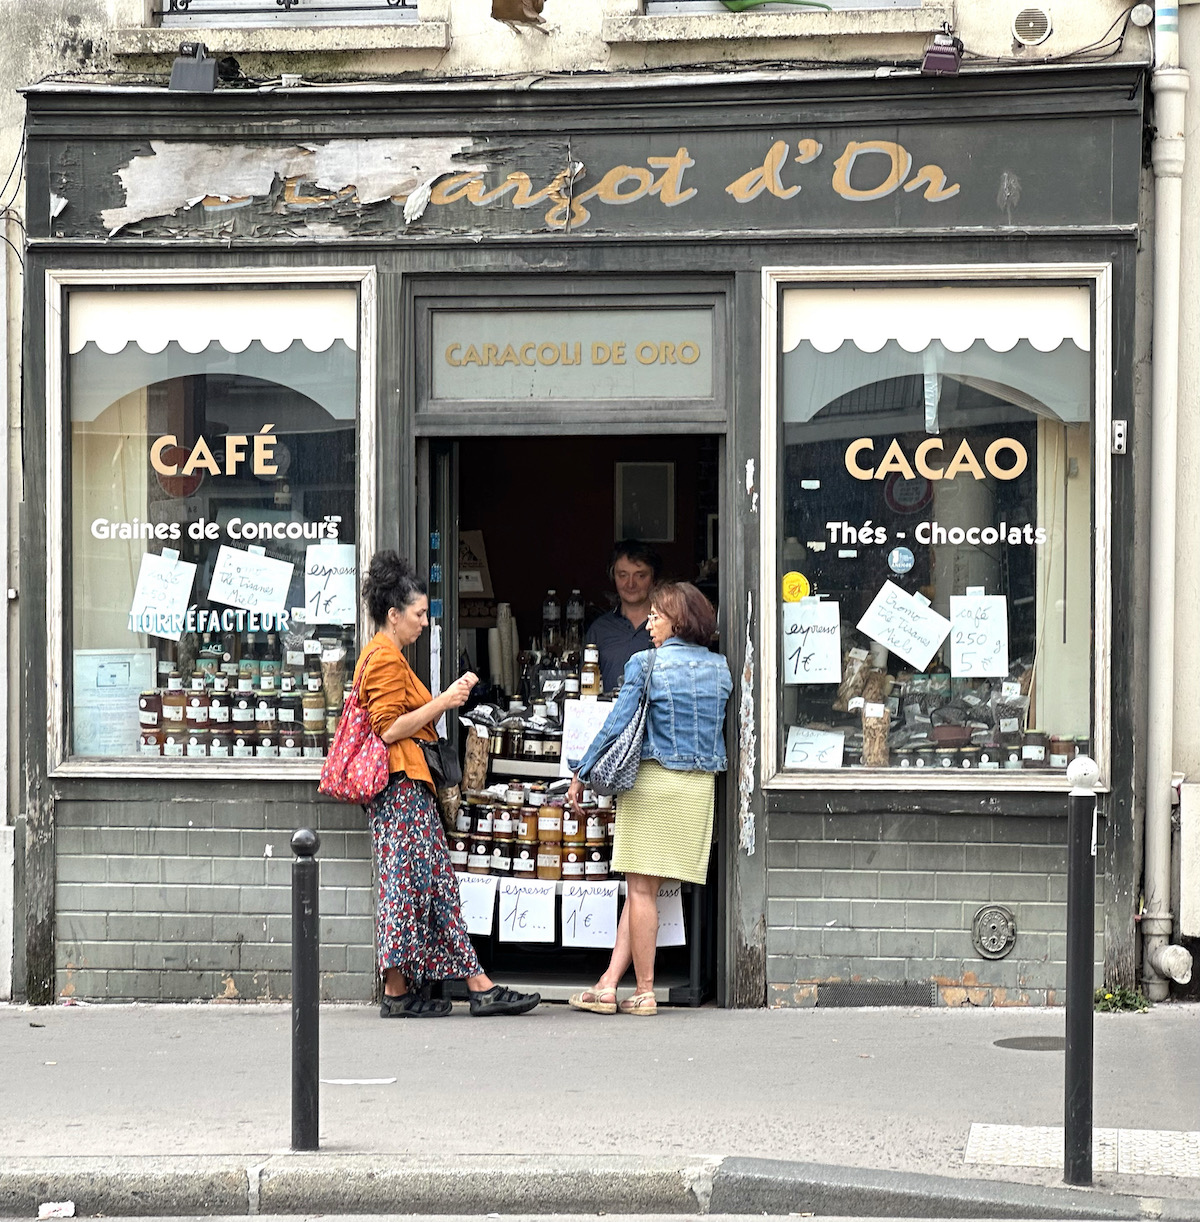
[
  {"x": 287, "y": 709},
  {"x": 594, "y": 830},
  {"x": 504, "y": 824},
  {"x": 220, "y": 704},
  {"x": 595, "y": 865},
  {"x": 536, "y": 796},
  {"x": 242, "y": 702},
  {"x": 514, "y": 795},
  {"x": 268, "y": 681},
  {"x": 481, "y": 821},
  {"x": 531, "y": 744},
  {"x": 312, "y": 682},
  {"x": 549, "y": 861},
  {"x": 463, "y": 819},
  {"x": 459, "y": 850},
  {"x": 590, "y": 681},
  {"x": 549, "y": 824},
  {"x": 524, "y": 860},
  {"x": 527, "y": 824},
  {"x": 479, "y": 856},
  {"x": 150, "y": 707},
  {"x": 573, "y": 862},
  {"x": 173, "y": 743},
  {"x": 495, "y": 742},
  {"x": 151, "y": 741},
  {"x": 291, "y": 744},
  {"x": 198, "y": 702},
  {"x": 314, "y": 744},
  {"x": 230, "y": 663},
  {"x": 989, "y": 759},
  {"x": 313, "y": 712},
  {"x": 242, "y": 744},
  {"x": 512, "y": 732},
  {"x": 502, "y": 858},
  {"x": 266, "y": 746},
  {"x": 174, "y": 703},
  {"x": 196, "y": 743},
  {"x": 1035, "y": 749},
  {"x": 1011, "y": 757},
  {"x": 331, "y": 724},
  {"x": 610, "y": 828},
  {"x": 218, "y": 744},
  {"x": 574, "y": 829},
  {"x": 968, "y": 757},
  {"x": 1062, "y": 751},
  {"x": 266, "y": 710}
]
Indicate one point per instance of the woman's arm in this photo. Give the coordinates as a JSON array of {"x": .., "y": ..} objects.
[
  {"x": 621, "y": 713},
  {"x": 407, "y": 724}
]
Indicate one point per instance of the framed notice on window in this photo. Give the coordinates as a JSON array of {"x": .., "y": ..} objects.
[{"x": 107, "y": 683}]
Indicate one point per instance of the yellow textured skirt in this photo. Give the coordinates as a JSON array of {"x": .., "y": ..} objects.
[{"x": 664, "y": 824}]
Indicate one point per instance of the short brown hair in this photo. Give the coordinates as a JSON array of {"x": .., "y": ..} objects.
[{"x": 691, "y": 614}]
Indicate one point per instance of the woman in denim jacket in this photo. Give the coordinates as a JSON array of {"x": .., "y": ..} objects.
[{"x": 664, "y": 823}]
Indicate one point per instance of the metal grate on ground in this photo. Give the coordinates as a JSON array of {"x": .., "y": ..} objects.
[{"x": 1121, "y": 1151}]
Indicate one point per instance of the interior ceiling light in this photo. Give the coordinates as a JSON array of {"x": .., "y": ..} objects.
[
  {"x": 193, "y": 71},
  {"x": 1032, "y": 26},
  {"x": 943, "y": 56}
]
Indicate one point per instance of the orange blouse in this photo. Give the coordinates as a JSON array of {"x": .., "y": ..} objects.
[{"x": 388, "y": 688}]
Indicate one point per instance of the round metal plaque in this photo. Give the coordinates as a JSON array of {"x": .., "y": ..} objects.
[{"x": 994, "y": 931}]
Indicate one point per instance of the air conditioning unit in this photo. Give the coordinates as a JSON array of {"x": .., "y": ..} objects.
[{"x": 1032, "y": 26}]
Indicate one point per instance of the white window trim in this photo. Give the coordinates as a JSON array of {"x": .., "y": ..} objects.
[
  {"x": 59, "y": 761},
  {"x": 773, "y": 278}
]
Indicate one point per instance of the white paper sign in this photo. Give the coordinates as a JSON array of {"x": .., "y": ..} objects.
[
  {"x": 812, "y": 642},
  {"x": 670, "y": 915},
  {"x": 329, "y": 594},
  {"x": 105, "y": 699},
  {"x": 813, "y": 748},
  {"x": 160, "y": 601},
  {"x": 526, "y": 910},
  {"x": 254, "y": 583},
  {"x": 477, "y": 899},
  {"x": 978, "y": 635},
  {"x": 589, "y": 914},
  {"x": 899, "y": 621},
  {"x": 582, "y": 721}
]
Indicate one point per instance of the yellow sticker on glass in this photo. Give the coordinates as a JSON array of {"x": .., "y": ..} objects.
[{"x": 795, "y": 587}]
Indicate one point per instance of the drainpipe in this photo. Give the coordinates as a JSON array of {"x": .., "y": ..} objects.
[{"x": 1160, "y": 960}]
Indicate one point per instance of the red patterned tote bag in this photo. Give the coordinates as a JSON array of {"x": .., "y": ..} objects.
[{"x": 356, "y": 768}]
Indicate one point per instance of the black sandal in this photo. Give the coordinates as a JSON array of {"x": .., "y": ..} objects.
[
  {"x": 499, "y": 1000},
  {"x": 413, "y": 1005}
]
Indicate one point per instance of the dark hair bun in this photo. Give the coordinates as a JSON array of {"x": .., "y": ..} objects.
[{"x": 391, "y": 581}]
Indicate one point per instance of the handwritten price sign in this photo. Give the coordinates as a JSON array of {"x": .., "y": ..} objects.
[
  {"x": 813, "y": 748},
  {"x": 477, "y": 895},
  {"x": 978, "y": 635},
  {"x": 589, "y": 914},
  {"x": 671, "y": 931},
  {"x": 812, "y": 642},
  {"x": 526, "y": 910},
  {"x": 329, "y": 594}
]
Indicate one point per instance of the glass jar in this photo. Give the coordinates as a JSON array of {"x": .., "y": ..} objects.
[
  {"x": 242, "y": 703},
  {"x": 291, "y": 744},
  {"x": 594, "y": 826},
  {"x": 313, "y": 712},
  {"x": 574, "y": 829},
  {"x": 459, "y": 850},
  {"x": 218, "y": 744},
  {"x": 527, "y": 824},
  {"x": 549, "y": 861},
  {"x": 150, "y": 711},
  {"x": 266, "y": 746},
  {"x": 314, "y": 745},
  {"x": 1035, "y": 749},
  {"x": 479, "y": 855},
  {"x": 574, "y": 857},
  {"x": 502, "y": 858},
  {"x": 151, "y": 741},
  {"x": 504, "y": 824},
  {"x": 550, "y": 824},
  {"x": 242, "y": 744},
  {"x": 196, "y": 744},
  {"x": 198, "y": 701},
  {"x": 173, "y": 743},
  {"x": 524, "y": 860},
  {"x": 174, "y": 703},
  {"x": 288, "y": 709},
  {"x": 595, "y": 865},
  {"x": 481, "y": 821},
  {"x": 266, "y": 710}
]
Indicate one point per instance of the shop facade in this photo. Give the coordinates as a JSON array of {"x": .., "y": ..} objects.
[{"x": 851, "y": 351}]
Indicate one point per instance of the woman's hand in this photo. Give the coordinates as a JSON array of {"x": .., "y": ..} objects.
[
  {"x": 455, "y": 696},
  {"x": 575, "y": 794}
]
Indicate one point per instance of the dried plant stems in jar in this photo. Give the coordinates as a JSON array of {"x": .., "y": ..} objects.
[{"x": 876, "y": 720}]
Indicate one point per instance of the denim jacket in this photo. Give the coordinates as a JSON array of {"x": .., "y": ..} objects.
[{"x": 689, "y": 687}]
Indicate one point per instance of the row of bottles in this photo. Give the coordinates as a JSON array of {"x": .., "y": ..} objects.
[{"x": 557, "y": 637}]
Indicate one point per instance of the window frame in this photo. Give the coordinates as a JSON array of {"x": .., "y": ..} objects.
[
  {"x": 363, "y": 279},
  {"x": 1098, "y": 278}
]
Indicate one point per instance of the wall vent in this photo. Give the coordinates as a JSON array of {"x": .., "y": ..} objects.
[
  {"x": 848, "y": 994},
  {"x": 1032, "y": 26}
]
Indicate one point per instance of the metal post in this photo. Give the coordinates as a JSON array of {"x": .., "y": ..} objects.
[
  {"x": 306, "y": 1036},
  {"x": 1081, "y": 905}
]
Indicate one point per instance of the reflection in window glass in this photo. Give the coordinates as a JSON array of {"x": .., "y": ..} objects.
[
  {"x": 935, "y": 534},
  {"x": 212, "y": 518}
]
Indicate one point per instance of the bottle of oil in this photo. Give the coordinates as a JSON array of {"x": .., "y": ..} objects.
[
  {"x": 551, "y": 623},
  {"x": 590, "y": 681},
  {"x": 574, "y": 635}
]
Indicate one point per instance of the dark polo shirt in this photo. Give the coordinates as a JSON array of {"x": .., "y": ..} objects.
[{"x": 618, "y": 640}]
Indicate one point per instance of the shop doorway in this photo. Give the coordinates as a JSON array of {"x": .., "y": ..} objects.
[{"x": 508, "y": 520}]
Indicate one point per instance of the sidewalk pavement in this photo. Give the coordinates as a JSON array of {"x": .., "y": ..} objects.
[{"x": 131, "y": 1110}]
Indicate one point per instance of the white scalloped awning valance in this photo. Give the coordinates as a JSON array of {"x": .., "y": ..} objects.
[
  {"x": 195, "y": 318},
  {"x": 958, "y": 317}
]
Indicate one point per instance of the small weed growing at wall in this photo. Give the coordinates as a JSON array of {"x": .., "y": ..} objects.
[{"x": 1132, "y": 1000}]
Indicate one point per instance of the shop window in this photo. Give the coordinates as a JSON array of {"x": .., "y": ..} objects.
[
  {"x": 935, "y": 529},
  {"x": 218, "y": 13},
  {"x": 212, "y": 521}
]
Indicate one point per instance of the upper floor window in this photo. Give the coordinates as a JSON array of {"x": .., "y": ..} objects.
[{"x": 207, "y": 13}]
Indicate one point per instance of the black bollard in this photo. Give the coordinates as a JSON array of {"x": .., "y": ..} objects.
[
  {"x": 306, "y": 1027},
  {"x": 1081, "y": 906}
]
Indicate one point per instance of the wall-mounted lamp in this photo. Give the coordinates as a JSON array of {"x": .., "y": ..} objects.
[
  {"x": 193, "y": 71},
  {"x": 943, "y": 57}
]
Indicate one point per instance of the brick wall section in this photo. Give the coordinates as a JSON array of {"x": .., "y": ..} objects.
[
  {"x": 892, "y": 897},
  {"x": 192, "y": 899}
]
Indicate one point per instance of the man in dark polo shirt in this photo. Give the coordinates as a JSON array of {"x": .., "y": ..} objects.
[{"x": 622, "y": 632}]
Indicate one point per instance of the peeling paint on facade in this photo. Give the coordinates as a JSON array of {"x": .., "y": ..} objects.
[
  {"x": 747, "y": 738},
  {"x": 174, "y": 176}
]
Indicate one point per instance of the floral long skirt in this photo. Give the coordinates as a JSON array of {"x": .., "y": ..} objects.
[{"x": 418, "y": 923}]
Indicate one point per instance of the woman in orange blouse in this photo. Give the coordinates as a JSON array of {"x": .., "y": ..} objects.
[{"x": 419, "y": 928}]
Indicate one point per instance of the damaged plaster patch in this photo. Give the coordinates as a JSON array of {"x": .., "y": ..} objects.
[
  {"x": 57, "y": 204},
  {"x": 747, "y": 739},
  {"x": 176, "y": 175},
  {"x": 751, "y": 491}
]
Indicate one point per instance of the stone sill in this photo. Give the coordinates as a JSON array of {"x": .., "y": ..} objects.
[
  {"x": 271, "y": 40},
  {"x": 813, "y": 23}
]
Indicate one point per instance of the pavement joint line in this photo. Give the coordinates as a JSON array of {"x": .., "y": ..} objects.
[{"x": 253, "y": 1188}]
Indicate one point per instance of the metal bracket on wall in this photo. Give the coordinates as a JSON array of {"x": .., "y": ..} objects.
[{"x": 1120, "y": 435}]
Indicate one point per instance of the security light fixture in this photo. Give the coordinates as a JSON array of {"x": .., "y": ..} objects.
[
  {"x": 193, "y": 71},
  {"x": 1141, "y": 15},
  {"x": 943, "y": 57}
]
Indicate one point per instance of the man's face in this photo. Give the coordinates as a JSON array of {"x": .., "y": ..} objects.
[{"x": 633, "y": 580}]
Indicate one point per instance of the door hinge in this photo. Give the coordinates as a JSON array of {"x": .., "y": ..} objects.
[{"x": 1120, "y": 436}]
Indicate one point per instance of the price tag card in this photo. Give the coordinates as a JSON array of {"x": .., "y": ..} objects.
[
  {"x": 978, "y": 635},
  {"x": 582, "y": 721},
  {"x": 670, "y": 915},
  {"x": 329, "y": 594},
  {"x": 254, "y": 583},
  {"x": 164, "y": 590},
  {"x": 813, "y": 748},
  {"x": 477, "y": 896},
  {"x": 589, "y": 914},
  {"x": 812, "y": 642},
  {"x": 898, "y": 620},
  {"x": 526, "y": 910}
]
